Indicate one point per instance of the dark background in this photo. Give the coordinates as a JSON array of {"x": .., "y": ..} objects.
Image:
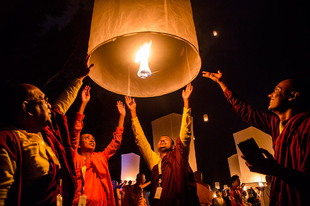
[{"x": 259, "y": 43}]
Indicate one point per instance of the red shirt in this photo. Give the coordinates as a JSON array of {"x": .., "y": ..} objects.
[
  {"x": 236, "y": 196},
  {"x": 292, "y": 150}
]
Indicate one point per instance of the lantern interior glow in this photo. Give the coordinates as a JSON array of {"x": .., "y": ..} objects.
[{"x": 142, "y": 57}]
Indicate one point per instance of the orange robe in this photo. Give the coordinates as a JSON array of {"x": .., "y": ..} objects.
[{"x": 97, "y": 187}]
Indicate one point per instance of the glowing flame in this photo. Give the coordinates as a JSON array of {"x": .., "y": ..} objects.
[
  {"x": 142, "y": 56},
  {"x": 214, "y": 33}
]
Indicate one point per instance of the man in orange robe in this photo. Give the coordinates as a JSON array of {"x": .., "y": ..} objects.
[{"x": 92, "y": 170}]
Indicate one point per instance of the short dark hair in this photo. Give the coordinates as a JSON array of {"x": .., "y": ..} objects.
[
  {"x": 234, "y": 178},
  {"x": 169, "y": 138}
]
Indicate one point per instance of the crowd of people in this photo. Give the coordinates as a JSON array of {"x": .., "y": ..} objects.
[
  {"x": 44, "y": 162},
  {"x": 128, "y": 194}
]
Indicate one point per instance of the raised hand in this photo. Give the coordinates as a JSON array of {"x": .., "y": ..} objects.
[
  {"x": 86, "y": 69},
  {"x": 85, "y": 95},
  {"x": 217, "y": 77},
  {"x": 214, "y": 76},
  {"x": 186, "y": 93},
  {"x": 130, "y": 102},
  {"x": 121, "y": 108}
]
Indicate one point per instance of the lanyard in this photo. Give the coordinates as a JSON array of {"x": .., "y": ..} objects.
[
  {"x": 159, "y": 174},
  {"x": 83, "y": 170}
]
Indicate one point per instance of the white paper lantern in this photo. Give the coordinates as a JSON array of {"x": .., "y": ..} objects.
[
  {"x": 120, "y": 27},
  {"x": 130, "y": 166}
]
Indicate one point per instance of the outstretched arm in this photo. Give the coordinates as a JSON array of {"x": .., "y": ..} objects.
[
  {"x": 85, "y": 97},
  {"x": 148, "y": 154},
  {"x": 185, "y": 132},
  {"x": 67, "y": 97},
  {"x": 122, "y": 113},
  {"x": 114, "y": 145},
  {"x": 145, "y": 184},
  {"x": 78, "y": 120},
  {"x": 217, "y": 77}
]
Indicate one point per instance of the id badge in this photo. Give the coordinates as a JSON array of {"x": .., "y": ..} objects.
[
  {"x": 82, "y": 200},
  {"x": 158, "y": 192}
]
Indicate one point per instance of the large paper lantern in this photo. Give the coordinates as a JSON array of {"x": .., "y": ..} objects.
[{"x": 119, "y": 28}]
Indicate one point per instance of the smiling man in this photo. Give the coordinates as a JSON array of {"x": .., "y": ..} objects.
[
  {"x": 289, "y": 126},
  {"x": 172, "y": 180},
  {"x": 92, "y": 169},
  {"x": 36, "y": 163}
]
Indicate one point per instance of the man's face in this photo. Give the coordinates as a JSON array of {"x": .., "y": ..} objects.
[
  {"x": 164, "y": 144},
  {"x": 87, "y": 143},
  {"x": 279, "y": 97},
  {"x": 39, "y": 107},
  {"x": 236, "y": 182}
]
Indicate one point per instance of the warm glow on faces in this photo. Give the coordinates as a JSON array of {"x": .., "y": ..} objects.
[
  {"x": 87, "y": 143},
  {"x": 164, "y": 143},
  {"x": 279, "y": 97},
  {"x": 142, "y": 56},
  {"x": 41, "y": 107}
]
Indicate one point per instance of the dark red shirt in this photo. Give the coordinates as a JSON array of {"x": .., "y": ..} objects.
[
  {"x": 292, "y": 150},
  {"x": 236, "y": 196},
  {"x": 179, "y": 187}
]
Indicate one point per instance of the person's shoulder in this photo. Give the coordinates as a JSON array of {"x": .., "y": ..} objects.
[{"x": 7, "y": 135}]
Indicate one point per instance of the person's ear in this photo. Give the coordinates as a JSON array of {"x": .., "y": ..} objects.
[
  {"x": 173, "y": 146},
  {"x": 293, "y": 95},
  {"x": 26, "y": 108}
]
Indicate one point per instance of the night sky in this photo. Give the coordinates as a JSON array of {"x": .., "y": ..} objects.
[{"x": 259, "y": 43}]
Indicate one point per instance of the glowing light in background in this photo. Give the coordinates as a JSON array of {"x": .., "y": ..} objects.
[
  {"x": 142, "y": 56},
  {"x": 217, "y": 185},
  {"x": 214, "y": 33},
  {"x": 205, "y": 118}
]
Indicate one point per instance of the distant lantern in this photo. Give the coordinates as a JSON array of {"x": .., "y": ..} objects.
[
  {"x": 205, "y": 118},
  {"x": 118, "y": 31},
  {"x": 130, "y": 166},
  {"x": 217, "y": 185},
  {"x": 214, "y": 33}
]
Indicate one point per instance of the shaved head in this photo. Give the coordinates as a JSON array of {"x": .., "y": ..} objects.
[{"x": 25, "y": 106}]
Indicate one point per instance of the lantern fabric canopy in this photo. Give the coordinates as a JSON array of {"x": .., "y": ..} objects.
[{"x": 120, "y": 27}]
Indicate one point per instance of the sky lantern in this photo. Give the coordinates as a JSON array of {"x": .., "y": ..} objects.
[
  {"x": 130, "y": 166},
  {"x": 205, "y": 118},
  {"x": 143, "y": 48}
]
